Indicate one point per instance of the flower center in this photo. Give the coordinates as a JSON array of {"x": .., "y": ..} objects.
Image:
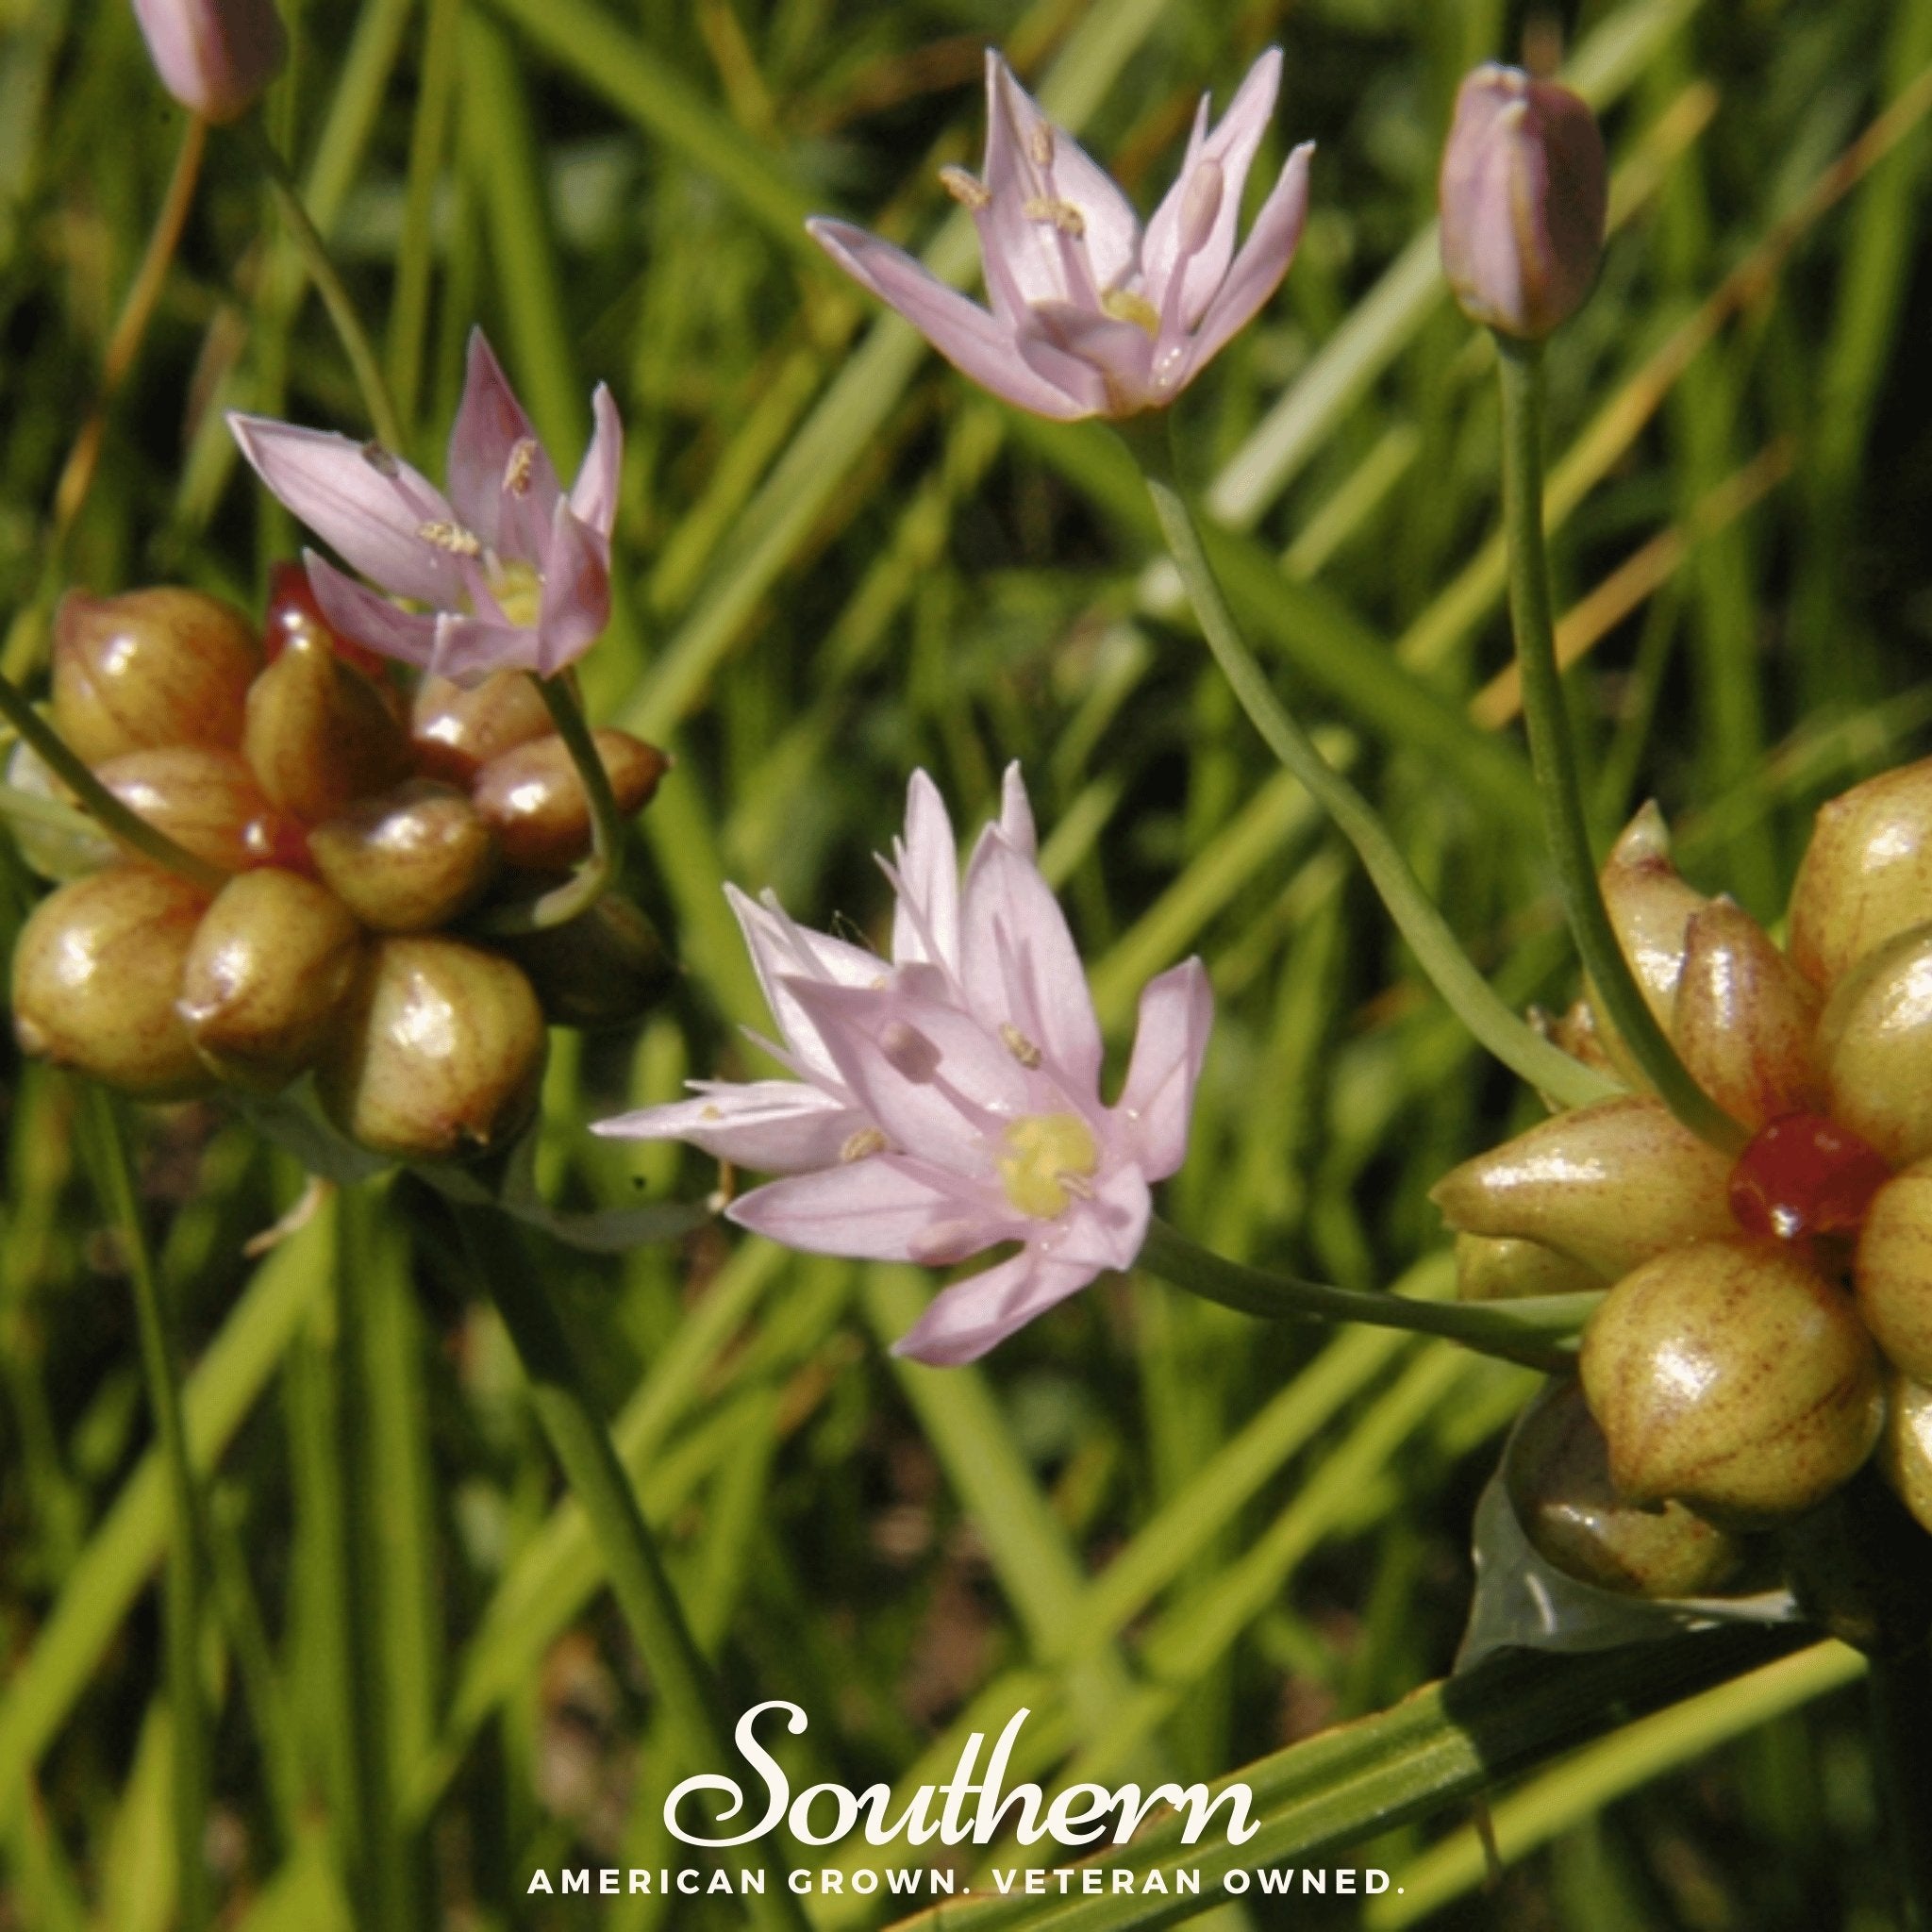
[
  {"x": 1046, "y": 1163},
  {"x": 518, "y": 588},
  {"x": 1124, "y": 304}
]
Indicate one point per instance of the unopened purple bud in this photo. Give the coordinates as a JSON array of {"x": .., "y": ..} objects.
[
  {"x": 1524, "y": 192},
  {"x": 214, "y": 56}
]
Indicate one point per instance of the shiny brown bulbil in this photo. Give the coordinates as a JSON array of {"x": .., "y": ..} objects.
[
  {"x": 1767, "y": 1318},
  {"x": 352, "y": 841}
]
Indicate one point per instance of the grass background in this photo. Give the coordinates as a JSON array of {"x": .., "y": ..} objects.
[{"x": 1183, "y": 1539}]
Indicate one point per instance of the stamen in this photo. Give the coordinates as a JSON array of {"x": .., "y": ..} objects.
[
  {"x": 1018, "y": 1045},
  {"x": 380, "y": 460},
  {"x": 451, "y": 537},
  {"x": 1061, "y": 214},
  {"x": 1039, "y": 144},
  {"x": 909, "y": 1052},
  {"x": 861, "y": 1144},
  {"x": 1200, "y": 205},
  {"x": 1125, "y": 306},
  {"x": 965, "y": 189},
  {"x": 1076, "y": 1184},
  {"x": 523, "y": 460}
]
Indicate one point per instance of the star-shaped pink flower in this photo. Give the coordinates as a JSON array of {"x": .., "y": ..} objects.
[
  {"x": 1092, "y": 315},
  {"x": 947, "y": 1100},
  {"x": 514, "y": 572}
]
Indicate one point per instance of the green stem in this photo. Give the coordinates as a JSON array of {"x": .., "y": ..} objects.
[
  {"x": 597, "y": 873},
  {"x": 365, "y": 363},
  {"x": 643, "y": 1590},
  {"x": 378, "y": 1868},
  {"x": 1899, "y": 1689},
  {"x": 1540, "y": 1332},
  {"x": 1554, "y": 758},
  {"x": 1469, "y": 995},
  {"x": 114, "y": 1178},
  {"x": 97, "y": 801}
]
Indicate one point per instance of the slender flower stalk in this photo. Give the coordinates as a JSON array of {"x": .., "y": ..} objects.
[
  {"x": 631, "y": 1561},
  {"x": 97, "y": 801},
  {"x": 1520, "y": 367},
  {"x": 1092, "y": 314},
  {"x": 1540, "y": 1332},
  {"x": 1467, "y": 994},
  {"x": 182, "y": 1604}
]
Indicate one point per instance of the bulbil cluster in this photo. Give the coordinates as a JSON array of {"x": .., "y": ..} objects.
[
  {"x": 358, "y": 841},
  {"x": 1767, "y": 1322}
]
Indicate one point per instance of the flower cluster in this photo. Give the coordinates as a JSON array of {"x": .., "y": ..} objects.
[
  {"x": 1769, "y": 1319},
  {"x": 1092, "y": 314},
  {"x": 946, "y": 1100},
  {"x": 355, "y": 828}
]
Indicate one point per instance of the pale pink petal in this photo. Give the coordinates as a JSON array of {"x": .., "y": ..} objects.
[
  {"x": 968, "y": 1319},
  {"x": 1119, "y": 354},
  {"x": 874, "y": 1210},
  {"x": 781, "y": 950},
  {"x": 1231, "y": 148},
  {"x": 775, "y": 1126},
  {"x": 1106, "y": 1230},
  {"x": 1162, "y": 240},
  {"x": 926, "y": 876},
  {"x": 1067, "y": 373},
  {"x": 490, "y": 423},
  {"x": 1019, "y": 965},
  {"x": 959, "y": 330},
  {"x": 215, "y": 57},
  {"x": 929, "y": 1075},
  {"x": 1044, "y": 263},
  {"x": 373, "y": 508},
  {"x": 469, "y": 649},
  {"x": 1170, "y": 1043},
  {"x": 1259, "y": 268},
  {"x": 594, "y": 495},
  {"x": 576, "y": 592},
  {"x": 1016, "y": 814},
  {"x": 359, "y": 614}
]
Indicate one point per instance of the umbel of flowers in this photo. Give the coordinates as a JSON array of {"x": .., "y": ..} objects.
[
  {"x": 357, "y": 829},
  {"x": 1768, "y": 1321}
]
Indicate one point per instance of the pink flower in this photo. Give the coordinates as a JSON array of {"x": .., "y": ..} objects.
[
  {"x": 1523, "y": 193},
  {"x": 516, "y": 575},
  {"x": 1092, "y": 316},
  {"x": 948, "y": 1100},
  {"x": 213, "y": 56}
]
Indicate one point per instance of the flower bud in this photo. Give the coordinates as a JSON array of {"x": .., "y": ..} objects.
[
  {"x": 215, "y": 57},
  {"x": 605, "y": 968},
  {"x": 1650, "y": 908},
  {"x": 1866, "y": 876},
  {"x": 1609, "y": 1185},
  {"x": 208, "y": 802},
  {"x": 1523, "y": 195},
  {"x": 459, "y": 730},
  {"x": 1744, "y": 1017},
  {"x": 150, "y": 668},
  {"x": 1498, "y": 1268},
  {"x": 271, "y": 963},
  {"x": 53, "y": 852},
  {"x": 1904, "y": 1450},
  {"x": 95, "y": 972},
  {"x": 1893, "y": 1271},
  {"x": 319, "y": 734},
  {"x": 1732, "y": 1376},
  {"x": 407, "y": 859},
  {"x": 441, "y": 1055},
  {"x": 1874, "y": 1048},
  {"x": 533, "y": 800},
  {"x": 1557, "y": 1473}
]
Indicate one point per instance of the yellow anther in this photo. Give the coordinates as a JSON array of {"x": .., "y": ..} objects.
[
  {"x": 861, "y": 1145},
  {"x": 1018, "y": 1045},
  {"x": 1063, "y": 215},
  {"x": 965, "y": 189},
  {"x": 523, "y": 460},
  {"x": 451, "y": 537},
  {"x": 1046, "y": 1162},
  {"x": 1125, "y": 306},
  {"x": 1039, "y": 144}
]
